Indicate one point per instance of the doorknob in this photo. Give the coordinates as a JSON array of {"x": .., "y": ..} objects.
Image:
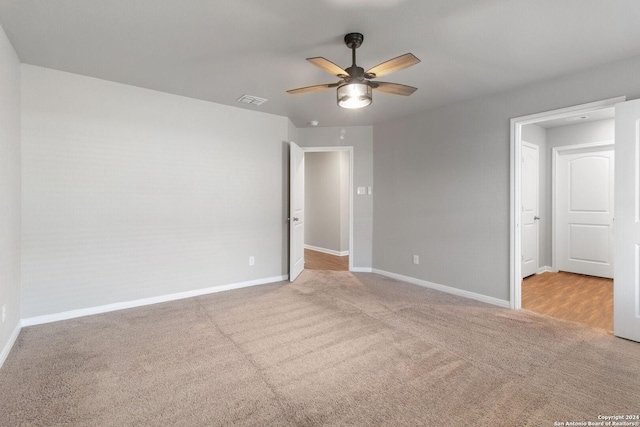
[
  {"x": 536, "y": 218},
  {"x": 295, "y": 219}
]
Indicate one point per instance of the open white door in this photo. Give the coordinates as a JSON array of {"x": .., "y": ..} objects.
[
  {"x": 296, "y": 211},
  {"x": 626, "y": 283},
  {"x": 530, "y": 208}
]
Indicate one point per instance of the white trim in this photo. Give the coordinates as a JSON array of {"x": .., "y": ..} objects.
[
  {"x": 515, "y": 172},
  {"x": 72, "y": 314},
  {"x": 598, "y": 144},
  {"x": 556, "y": 152},
  {"x": 349, "y": 149},
  {"x": 544, "y": 269},
  {"x": 326, "y": 251},
  {"x": 325, "y": 149},
  {"x": 9, "y": 345},
  {"x": 361, "y": 270},
  {"x": 444, "y": 288}
]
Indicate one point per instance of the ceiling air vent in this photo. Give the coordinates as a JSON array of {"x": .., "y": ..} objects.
[{"x": 249, "y": 99}]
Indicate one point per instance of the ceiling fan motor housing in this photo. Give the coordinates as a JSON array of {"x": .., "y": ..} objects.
[
  {"x": 355, "y": 73},
  {"x": 353, "y": 40}
]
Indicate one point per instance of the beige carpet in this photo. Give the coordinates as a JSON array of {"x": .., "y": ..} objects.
[{"x": 335, "y": 348}]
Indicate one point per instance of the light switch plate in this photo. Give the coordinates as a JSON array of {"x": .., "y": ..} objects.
[{"x": 362, "y": 191}]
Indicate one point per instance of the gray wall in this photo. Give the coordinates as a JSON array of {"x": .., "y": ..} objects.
[
  {"x": 583, "y": 133},
  {"x": 322, "y": 200},
  {"x": 442, "y": 180},
  {"x": 9, "y": 191},
  {"x": 361, "y": 138},
  {"x": 130, "y": 193}
]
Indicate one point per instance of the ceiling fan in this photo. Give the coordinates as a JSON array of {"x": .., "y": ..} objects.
[{"x": 355, "y": 85}]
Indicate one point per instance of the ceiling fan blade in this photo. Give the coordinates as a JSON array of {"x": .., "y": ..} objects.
[
  {"x": 328, "y": 66},
  {"x": 311, "y": 88},
  {"x": 393, "y": 65},
  {"x": 394, "y": 88}
]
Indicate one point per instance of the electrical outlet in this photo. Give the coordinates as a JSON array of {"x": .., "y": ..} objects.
[
  {"x": 4, "y": 312},
  {"x": 252, "y": 260},
  {"x": 416, "y": 259}
]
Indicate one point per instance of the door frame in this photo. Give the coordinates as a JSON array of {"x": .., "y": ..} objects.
[
  {"x": 556, "y": 153},
  {"x": 348, "y": 149},
  {"x": 515, "y": 171}
]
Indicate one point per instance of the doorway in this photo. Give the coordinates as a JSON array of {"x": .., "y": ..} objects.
[
  {"x": 574, "y": 178},
  {"x": 326, "y": 236},
  {"x": 297, "y": 205},
  {"x": 551, "y": 122}
]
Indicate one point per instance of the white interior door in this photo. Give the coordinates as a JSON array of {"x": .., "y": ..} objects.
[
  {"x": 626, "y": 284},
  {"x": 296, "y": 211},
  {"x": 530, "y": 208},
  {"x": 584, "y": 210}
]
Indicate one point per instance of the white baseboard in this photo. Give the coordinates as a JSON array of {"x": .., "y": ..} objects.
[
  {"x": 72, "y": 314},
  {"x": 444, "y": 288},
  {"x": 362, "y": 270},
  {"x": 326, "y": 251},
  {"x": 544, "y": 269},
  {"x": 12, "y": 340}
]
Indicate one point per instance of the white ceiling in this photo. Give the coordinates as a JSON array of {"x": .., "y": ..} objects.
[{"x": 218, "y": 50}]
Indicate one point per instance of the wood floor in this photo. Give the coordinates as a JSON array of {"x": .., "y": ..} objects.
[
  {"x": 569, "y": 296},
  {"x": 314, "y": 260}
]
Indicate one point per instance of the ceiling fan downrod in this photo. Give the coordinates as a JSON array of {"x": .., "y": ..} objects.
[{"x": 354, "y": 41}]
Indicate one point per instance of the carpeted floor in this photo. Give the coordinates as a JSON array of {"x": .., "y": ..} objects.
[{"x": 334, "y": 348}]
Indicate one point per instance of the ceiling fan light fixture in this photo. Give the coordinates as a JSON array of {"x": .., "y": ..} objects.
[
  {"x": 355, "y": 88},
  {"x": 354, "y": 95}
]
